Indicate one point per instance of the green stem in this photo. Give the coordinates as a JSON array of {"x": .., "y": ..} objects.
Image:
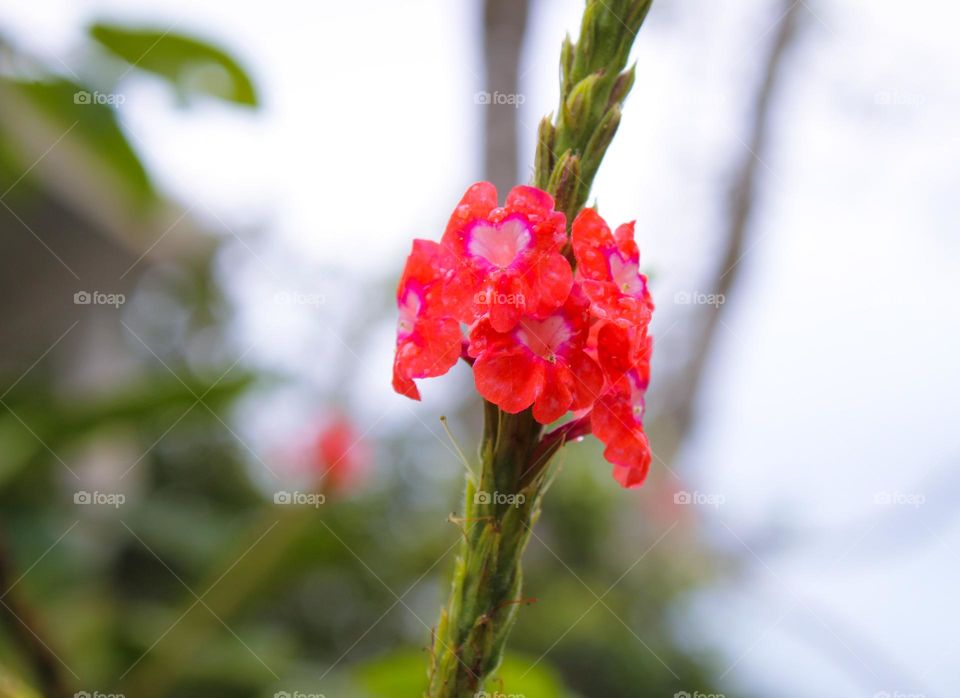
[
  {"x": 501, "y": 509},
  {"x": 499, "y": 513}
]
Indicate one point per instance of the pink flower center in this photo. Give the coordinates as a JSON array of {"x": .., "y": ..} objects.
[
  {"x": 409, "y": 308},
  {"x": 638, "y": 391},
  {"x": 544, "y": 337},
  {"x": 626, "y": 275},
  {"x": 500, "y": 244}
]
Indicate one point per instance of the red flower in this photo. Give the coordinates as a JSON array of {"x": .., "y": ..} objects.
[
  {"x": 429, "y": 340},
  {"x": 608, "y": 268},
  {"x": 617, "y": 417},
  {"x": 539, "y": 335},
  {"x": 508, "y": 258},
  {"x": 540, "y": 362}
]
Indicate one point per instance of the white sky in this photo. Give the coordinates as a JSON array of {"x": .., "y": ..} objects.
[{"x": 836, "y": 374}]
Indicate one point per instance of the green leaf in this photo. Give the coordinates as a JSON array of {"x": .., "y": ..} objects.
[{"x": 192, "y": 66}]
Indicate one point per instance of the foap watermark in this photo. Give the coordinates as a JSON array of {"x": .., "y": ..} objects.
[
  {"x": 297, "y": 694},
  {"x": 898, "y": 98},
  {"x": 111, "y": 99},
  {"x": 96, "y": 694},
  {"x": 513, "y": 500},
  {"x": 309, "y": 499},
  {"x": 697, "y": 694},
  {"x": 910, "y": 499},
  {"x": 104, "y": 499},
  {"x": 99, "y": 298},
  {"x": 497, "y": 694},
  {"x": 513, "y": 99},
  {"x": 898, "y": 694},
  {"x": 314, "y": 300},
  {"x": 702, "y": 498},
  {"x": 699, "y": 298},
  {"x": 491, "y": 298}
]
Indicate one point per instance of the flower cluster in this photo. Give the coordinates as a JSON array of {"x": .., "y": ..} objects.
[{"x": 500, "y": 291}]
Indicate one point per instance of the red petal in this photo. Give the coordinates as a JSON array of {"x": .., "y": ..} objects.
[
  {"x": 624, "y": 235},
  {"x": 622, "y": 349},
  {"x": 506, "y": 302},
  {"x": 553, "y": 279},
  {"x": 613, "y": 350},
  {"x": 592, "y": 240},
  {"x": 424, "y": 262},
  {"x": 432, "y": 350},
  {"x": 627, "y": 447},
  {"x": 630, "y": 477},
  {"x": 510, "y": 381},
  {"x": 477, "y": 203},
  {"x": 461, "y": 292},
  {"x": 554, "y": 400},
  {"x": 587, "y": 381},
  {"x": 403, "y": 384},
  {"x": 530, "y": 201}
]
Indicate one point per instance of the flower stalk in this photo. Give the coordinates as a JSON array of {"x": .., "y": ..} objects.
[{"x": 502, "y": 502}]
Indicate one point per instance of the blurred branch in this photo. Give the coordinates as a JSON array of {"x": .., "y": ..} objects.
[
  {"x": 24, "y": 628},
  {"x": 676, "y": 417},
  {"x": 504, "y": 25}
]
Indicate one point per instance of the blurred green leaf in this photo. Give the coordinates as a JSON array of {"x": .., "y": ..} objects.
[
  {"x": 36, "y": 114},
  {"x": 10, "y": 687},
  {"x": 403, "y": 673},
  {"x": 190, "y": 65},
  {"x": 18, "y": 447},
  {"x": 134, "y": 403},
  {"x": 524, "y": 676}
]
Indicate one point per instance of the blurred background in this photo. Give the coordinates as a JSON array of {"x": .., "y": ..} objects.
[{"x": 207, "y": 486}]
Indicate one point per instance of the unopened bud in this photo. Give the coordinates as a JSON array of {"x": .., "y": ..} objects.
[
  {"x": 566, "y": 65},
  {"x": 546, "y": 136},
  {"x": 599, "y": 141},
  {"x": 578, "y": 106},
  {"x": 622, "y": 86},
  {"x": 565, "y": 181}
]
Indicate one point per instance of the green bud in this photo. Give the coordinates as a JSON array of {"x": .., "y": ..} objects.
[
  {"x": 622, "y": 86},
  {"x": 585, "y": 57},
  {"x": 598, "y": 143},
  {"x": 579, "y": 104},
  {"x": 565, "y": 183},
  {"x": 543, "y": 164},
  {"x": 636, "y": 13},
  {"x": 566, "y": 65}
]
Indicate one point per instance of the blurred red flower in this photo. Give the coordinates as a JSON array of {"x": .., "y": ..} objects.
[{"x": 340, "y": 457}]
